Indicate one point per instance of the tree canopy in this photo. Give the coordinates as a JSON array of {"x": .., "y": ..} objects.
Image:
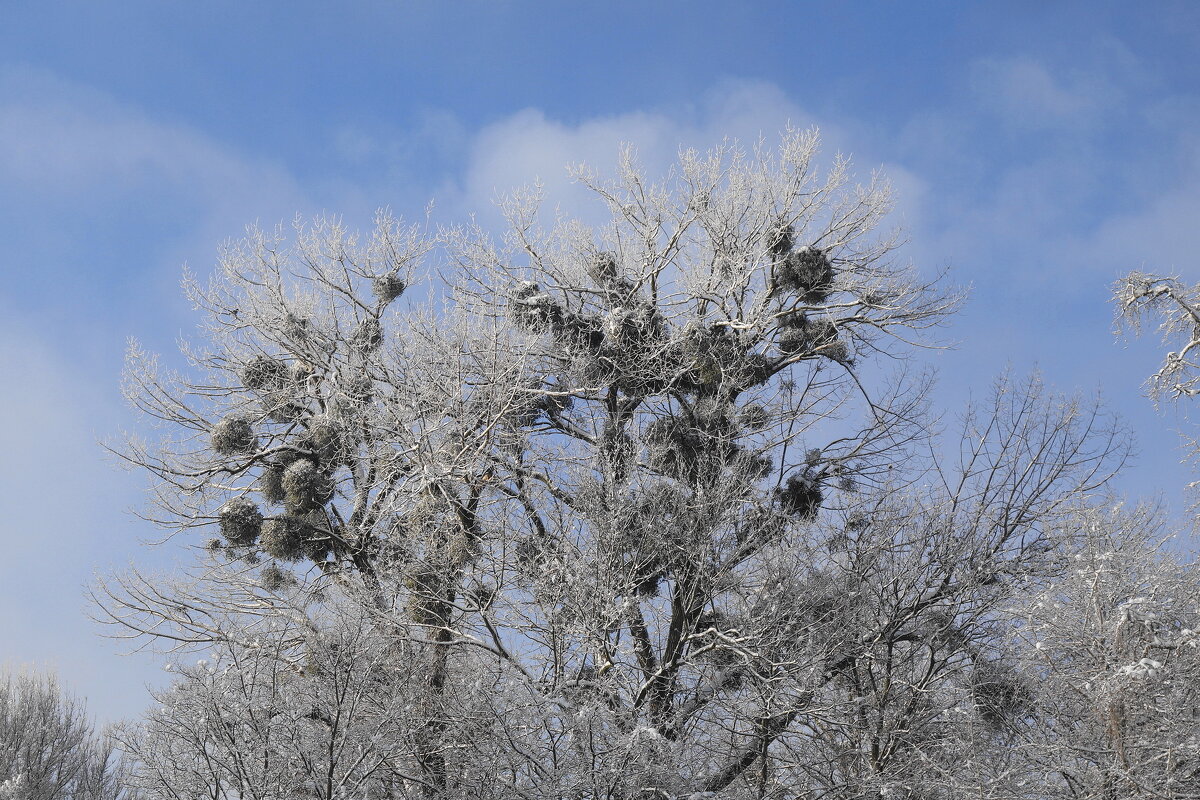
[{"x": 655, "y": 508}]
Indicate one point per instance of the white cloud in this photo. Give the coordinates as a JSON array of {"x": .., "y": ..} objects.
[
  {"x": 1161, "y": 235},
  {"x": 528, "y": 146},
  {"x": 79, "y": 166},
  {"x": 63, "y": 521},
  {"x": 62, "y": 143},
  {"x": 1024, "y": 92}
]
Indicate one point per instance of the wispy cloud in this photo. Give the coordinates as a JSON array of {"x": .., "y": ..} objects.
[
  {"x": 78, "y": 169},
  {"x": 63, "y": 521},
  {"x": 531, "y": 146},
  {"x": 61, "y": 142}
]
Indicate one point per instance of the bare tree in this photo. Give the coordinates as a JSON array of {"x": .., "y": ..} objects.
[
  {"x": 49, "y": 749},
  {"x": 1175, "y": 306},
  {"x": 918, "y": 694},
  {"x": 629, "y": 511},
  {"x": 312, "y": 703},
  {"x": 1109, "y": 650},
  {"x": 1140, "y": 298}
]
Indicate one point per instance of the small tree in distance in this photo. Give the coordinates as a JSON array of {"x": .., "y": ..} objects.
[
  {"x": 49, "y": 749},
  {"x": 627, "y": 511}
]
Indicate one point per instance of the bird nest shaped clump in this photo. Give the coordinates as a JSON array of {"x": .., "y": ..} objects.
[
  {"x": 754, "y": 417},
  {"x": 306, "y": 486},
  {"x": 534, "y": 310},
  {"x": 523, "y": 407},
  {"x": 808, "y": 272},
  {"x": 368, "y": 335},
  {"x": 387, "y": 288},
  {"x": 800, "y": 496},
  {"x": 284, "y": 538},
  {"x": 800, "y": 335},
  {"x": 754, "y": 466},
  {"x": 587, "y": 369},
  {"x": 661, "y": 500},
  {"x": 636, "y": 558},
  {"x": 234, "y": 435},
  {"x": 637, "y": 368},
  {"x": 240, "y": 522},
  {"x": 318, "y": 546},
  {"x": 602, "y": 268},
  {"x": 287, "y": 403},
  {"x": 556, "y": 400},
  {"x": 751, "y": 369},
  {"x": 616, "y": 448},
  {"x": 273, "y": 578},
  {"x": 633, "y": 328},
  {"x": 264, "y": 373},
  {"x": 646, "y": 573},
  {"x": 295, "y": 327},
  {"x": 325, "y": 440},
  {"x": 354, "y": 389},
  {"x": 998, "y": 694},
  {"x": 650, "y": 540},
  {"x": 780, "y": 240},
  {"x": 673, "y": 446},
  {"x": 714, "y": 355}
]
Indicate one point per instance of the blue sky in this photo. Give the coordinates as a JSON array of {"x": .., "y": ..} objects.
[{"x": 1039, "y": 150}]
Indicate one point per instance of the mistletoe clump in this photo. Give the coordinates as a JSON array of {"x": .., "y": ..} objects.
[
  {"x": 754, "y": 417},
  {"x": 368, "y": 336},
  {"x": 270, "y": 483},
  {"x": 754, "y": 466},
  {"x": 318, "y": 546},
  {"x": 808, "y": 272},
  {"x": 673, "y": 446},
  {"x": 653, "y": 537},
  {"x": 636, "y": 548},
  {"x": 837, "y": 351},
  {"x": 240, "y": 521},
  {"x": 233, "y": 435},
  {"x": 998, "y": 694},
  {"x": 306, "y": 487},
  {"x": 283, "y": 397},
  {"x": 801, "y": 335},
  {"x": 264, "y": 373},
  {"x": 273, "y": 578},
  {"x": 616, "y": 451},
  {"x": 800, "y": 496},
  {"x": 707, "y": 357},
  {"x": 355, "y": 389},
  {"x": 324, "y": 441},
  {"x": 387, "y": 288},
  {"x": 284, "y": 407},
  {"x": 283, "y": 538}
]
